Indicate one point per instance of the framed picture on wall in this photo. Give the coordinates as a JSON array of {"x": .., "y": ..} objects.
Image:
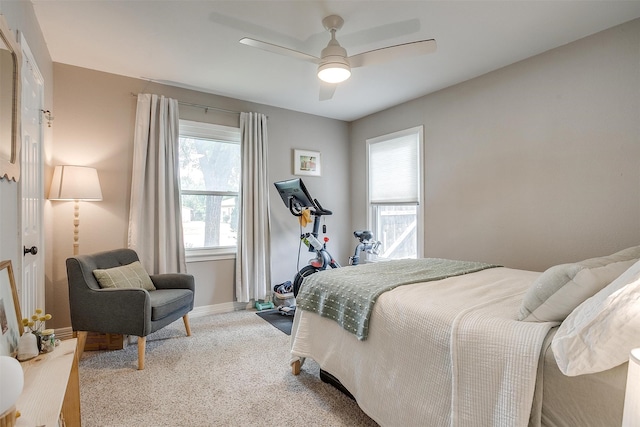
[
  {"x": 10, "y": 316},
  {"x": 306, "y": 162}
]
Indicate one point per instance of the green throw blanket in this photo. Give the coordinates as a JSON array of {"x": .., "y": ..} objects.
[{"x": 347, "y": 295}]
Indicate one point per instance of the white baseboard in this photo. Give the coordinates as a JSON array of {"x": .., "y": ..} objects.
[{"x": 227, "y": 307}]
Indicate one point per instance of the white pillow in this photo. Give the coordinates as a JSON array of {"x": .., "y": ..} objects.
[
  {"x": 560, "y": 289},
  {"x": 600, "y": 333}
]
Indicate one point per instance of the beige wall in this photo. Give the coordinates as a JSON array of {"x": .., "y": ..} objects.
[
  {"x": 532, "y": 165},
  {"x": 95, "y": 116}
]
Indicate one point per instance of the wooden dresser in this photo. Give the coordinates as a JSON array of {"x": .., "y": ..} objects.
[{"x": 51, "y": 394}]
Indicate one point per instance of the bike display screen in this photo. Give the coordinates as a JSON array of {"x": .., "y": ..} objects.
[{"x": 294, "y": 189}]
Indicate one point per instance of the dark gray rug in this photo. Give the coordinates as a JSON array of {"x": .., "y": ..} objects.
[{"x": 277, "y": 319}]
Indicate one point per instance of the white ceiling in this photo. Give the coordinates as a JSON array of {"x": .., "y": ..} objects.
[{"x": 194, "y": 44}]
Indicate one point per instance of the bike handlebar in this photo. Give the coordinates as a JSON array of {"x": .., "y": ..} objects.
[{"x": 317, "y": 209}]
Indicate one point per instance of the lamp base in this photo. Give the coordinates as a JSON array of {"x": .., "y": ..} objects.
[{"x": 8, "y": 418}]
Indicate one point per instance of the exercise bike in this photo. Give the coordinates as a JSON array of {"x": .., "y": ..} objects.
[{"x": 296, "y": 197}]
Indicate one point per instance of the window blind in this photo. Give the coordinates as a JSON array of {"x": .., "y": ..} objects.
[{"x": 393, "y": 170}]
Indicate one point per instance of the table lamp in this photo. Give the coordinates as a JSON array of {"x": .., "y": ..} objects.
[{"x": 11, "y": 384}]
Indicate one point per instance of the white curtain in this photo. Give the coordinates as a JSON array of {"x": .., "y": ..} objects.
[
  {"x": 155, "y": 220},
  {"x": 253, "y": 271}
]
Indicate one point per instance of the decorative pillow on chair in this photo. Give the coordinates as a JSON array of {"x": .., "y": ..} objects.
[
  {"x": 560, "y": 289},
  {"x": 600, "y": 333},
  {"x": 126, "y": 276}
]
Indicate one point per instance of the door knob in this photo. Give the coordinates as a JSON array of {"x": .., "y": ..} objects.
[{"x": 33, "y": 250}]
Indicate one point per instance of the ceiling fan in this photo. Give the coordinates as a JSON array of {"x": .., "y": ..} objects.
[{"x": 334, "y": 66}]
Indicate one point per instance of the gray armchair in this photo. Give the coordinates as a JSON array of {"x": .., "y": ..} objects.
[{"x": 127, "y": 311}]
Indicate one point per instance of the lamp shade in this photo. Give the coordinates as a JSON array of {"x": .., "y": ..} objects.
[
  {"x": 11, "y": 382},
  {"x": 75, "y": 183},
  {"x": 631, "y": 416}
]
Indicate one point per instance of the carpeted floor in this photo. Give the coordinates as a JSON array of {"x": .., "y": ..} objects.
[{"x": 232, "y": 371}]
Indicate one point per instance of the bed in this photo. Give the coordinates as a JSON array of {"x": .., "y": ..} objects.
[{"x": 492, "y": 346}]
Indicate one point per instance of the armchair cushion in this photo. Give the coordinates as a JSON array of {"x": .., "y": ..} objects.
[
  {"x": 125, "y": 276},
  {"x": 166, "y": 301}
]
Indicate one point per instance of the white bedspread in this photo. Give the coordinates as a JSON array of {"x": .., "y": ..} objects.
[{"x": 444, "y": 353}]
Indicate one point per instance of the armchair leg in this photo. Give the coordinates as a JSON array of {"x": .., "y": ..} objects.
[
  {"x": 185, "y": 319},
  {"x": 142, "y": 343}
]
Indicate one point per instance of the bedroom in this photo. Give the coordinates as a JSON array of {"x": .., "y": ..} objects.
[{"x": 554, "y": 161}]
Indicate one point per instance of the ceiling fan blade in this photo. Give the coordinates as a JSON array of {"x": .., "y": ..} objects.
[
  {"x": 274, "y": 48},
  {"x": 380, "y": 33},
  {"x": 390, "y": 53},
  {"x": 327, "y": 90}
]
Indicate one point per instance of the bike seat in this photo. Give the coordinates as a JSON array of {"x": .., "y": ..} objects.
[{"x": 363, "y": 234}]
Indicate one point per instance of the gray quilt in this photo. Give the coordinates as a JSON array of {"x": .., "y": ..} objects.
[{"x": 347, "y": 295}]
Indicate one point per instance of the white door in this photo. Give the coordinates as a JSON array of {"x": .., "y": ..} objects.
[{"x": 31, "y": 185}]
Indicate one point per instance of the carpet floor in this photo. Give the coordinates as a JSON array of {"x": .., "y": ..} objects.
[{"x": 232, "y": 371}]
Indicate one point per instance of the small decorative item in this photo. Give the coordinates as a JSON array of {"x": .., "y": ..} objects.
[
  {"x": 306, "y": 162},
  {"x": 28, "y": 347},
  {"x": 36, "y": 324},
  {"x": 11, "y": 384},
  {"x": 47, "y": 341}
]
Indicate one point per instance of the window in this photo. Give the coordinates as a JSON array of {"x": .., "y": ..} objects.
[
  {"x": 394, "y": 192},
  {"x": 209, "y": 186}
]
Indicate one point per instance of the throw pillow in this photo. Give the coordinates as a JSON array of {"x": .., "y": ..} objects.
[
  {"x": 126, "y": 276},
  {"x": 560, "y": 289}
]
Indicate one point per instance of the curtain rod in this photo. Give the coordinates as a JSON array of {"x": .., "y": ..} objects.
[{"x": 205, "y": 107}]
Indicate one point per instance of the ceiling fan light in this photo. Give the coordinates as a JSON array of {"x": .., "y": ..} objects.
[{"x": 334, "y": 72}]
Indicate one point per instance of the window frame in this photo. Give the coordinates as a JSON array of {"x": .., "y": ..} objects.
[
  {"x": 371, "y": 208},
  {"x": 223, "y": 134}
]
